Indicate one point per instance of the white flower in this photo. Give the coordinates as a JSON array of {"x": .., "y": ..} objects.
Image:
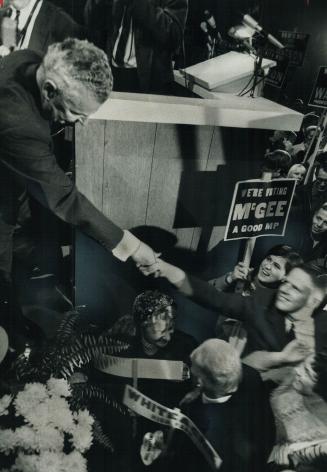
[
  {"x": 4, "y": 403},
  {"x": 52, "y": 462},
  {"x": 82, "y": 432},
  {"x": 7, "y": 440},
  {"x": 27, "y": 463},
  {"x": 54, "y": 411},
  {"x": 26, "y": 438},
  {"x": 58, "y": 387},
  {"x": 83, "y": 418},
  {"x": 30, "y": 398},
  {"x": 75, "y": 462},
  {"x": 82, "y": 438},
  {"x": 39, "y": 443}
]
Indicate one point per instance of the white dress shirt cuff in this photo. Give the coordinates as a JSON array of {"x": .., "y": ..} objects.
[{"x": 128, "y": 245}]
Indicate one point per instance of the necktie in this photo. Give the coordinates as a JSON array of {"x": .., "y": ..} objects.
[
  {"x": 122, "y": 42},
  {"x": 291, "y": 333},
  {"x": 17, "y": 29}
]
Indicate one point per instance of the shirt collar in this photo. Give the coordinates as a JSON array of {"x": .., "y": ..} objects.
[
  {"x": 24, "y": 12},
  {"x": 206, "y": 399}
]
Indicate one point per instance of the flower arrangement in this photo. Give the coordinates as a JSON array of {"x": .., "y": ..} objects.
[{"x": 52, "y": 436}]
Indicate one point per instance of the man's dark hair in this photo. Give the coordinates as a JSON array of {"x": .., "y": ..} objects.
[
  {"x": 318, "y": 282},
  {"x": 322, "y": 162},
  {"x": 293, "y": 258}
]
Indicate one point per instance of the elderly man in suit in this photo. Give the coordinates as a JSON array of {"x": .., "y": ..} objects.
[
  {"x": 39, "y": 23},
  {"x": 140, "y": 38},
  {"x": 229, "y": 406},
  {"x": 70, "y": 83}
]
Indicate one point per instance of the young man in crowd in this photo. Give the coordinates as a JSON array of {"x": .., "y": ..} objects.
[{"x": 283, "y": 333}]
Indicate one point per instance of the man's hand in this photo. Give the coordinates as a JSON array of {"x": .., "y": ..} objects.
[
  {"x": 295, "y": 352},
  {"x": 4, "y": 51},
  {"x": 146, "y": 259},
  {"x": 241, "y": 272}
]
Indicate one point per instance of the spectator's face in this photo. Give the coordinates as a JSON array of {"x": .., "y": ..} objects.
[
  {"x": 272, "y": 269},
  {"x": 309, "y": 134},
  {"x": 288, "y": 145},
  {"x": 160, "y": 331},
  {"x": 297, "y": 172},
  {"x": 19, "y": 4},
  {"x": 294, "y": 292},
  {"x": 320, "y": 183},
  {"x": 305, "y": 377},
  {"x": 319, "y": 222}
]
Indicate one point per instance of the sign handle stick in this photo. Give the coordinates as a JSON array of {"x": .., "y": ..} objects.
[
  {"x": 322, "y": 125},
  {"x": 250, "y": 243},
  {"x": 134, "y": 376}
]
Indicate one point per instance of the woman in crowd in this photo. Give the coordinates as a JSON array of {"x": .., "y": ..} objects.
[{"x": 300, "y": 411}]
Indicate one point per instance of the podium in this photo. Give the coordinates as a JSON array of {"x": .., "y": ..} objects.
[{"x": 228, "y": 73}]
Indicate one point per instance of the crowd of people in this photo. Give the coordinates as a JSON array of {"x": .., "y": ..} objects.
[{"x": 256, "y": 390}]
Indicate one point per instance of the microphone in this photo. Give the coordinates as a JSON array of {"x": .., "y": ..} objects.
[
  {"x": 211, "y": 23},
  {"x": 240, "y": 32},
  {"x": 252, "y": 23}
]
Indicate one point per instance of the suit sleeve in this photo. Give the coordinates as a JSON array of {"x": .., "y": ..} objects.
[
  {"x": 229, "y": 304},
  {"x": 26, "y": 151},
  {"x": 66, "y": 27},
  {"x": 165, "y": 24}
]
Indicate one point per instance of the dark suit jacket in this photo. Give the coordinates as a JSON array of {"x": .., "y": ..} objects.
[
  {"x": 158, "y": 27},
  {"x": 239, "y": 429},
  {"x": 52, "y": 25},
  {"x": 265, "y": 324},
  {"x": 27, "y": 161}
]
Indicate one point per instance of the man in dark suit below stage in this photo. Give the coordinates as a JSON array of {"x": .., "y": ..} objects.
[
  {"x": 39, "y": 24},
  {"x": 229, "y": 407},
  {"x": 140, "y": 38},
  {"x": 69, "y": 84}
]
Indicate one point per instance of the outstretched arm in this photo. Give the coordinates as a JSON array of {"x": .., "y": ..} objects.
[{"x": 231, "y": 304}]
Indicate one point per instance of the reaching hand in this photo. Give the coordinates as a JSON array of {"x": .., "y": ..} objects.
[
  {"x": 4, "y": 51},
  {"x": 241, "y": 272},
  {"x": 295, "y": 352},
  {"x": 146, "y": 259}
]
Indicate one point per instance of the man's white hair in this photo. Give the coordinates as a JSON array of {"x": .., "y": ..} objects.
[
  {"x": 73, "y": 64},
  {"x": 220, "y": 363}
]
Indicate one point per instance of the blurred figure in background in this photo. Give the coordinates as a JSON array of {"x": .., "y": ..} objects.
[
  {"x": 300, "y": 411},
  {"x": 140, "y": 38},
  {"x": 38, "y": 24}
]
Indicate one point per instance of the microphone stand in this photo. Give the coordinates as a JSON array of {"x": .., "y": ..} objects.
[{"x": 259, "y": 74}]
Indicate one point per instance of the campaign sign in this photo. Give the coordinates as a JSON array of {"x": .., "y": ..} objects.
[
  {"x": 277, "y": 74},
  {"x": 259, "y": 208},
  {"x": 295, "y": 46},
  {"x": 319, "y": 94},
  {"x": 154, "y": 411}
]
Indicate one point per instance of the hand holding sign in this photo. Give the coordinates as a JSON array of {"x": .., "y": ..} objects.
[
  {"x": 241, "y": 272},
  {"x": 152, "y": 447}
]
